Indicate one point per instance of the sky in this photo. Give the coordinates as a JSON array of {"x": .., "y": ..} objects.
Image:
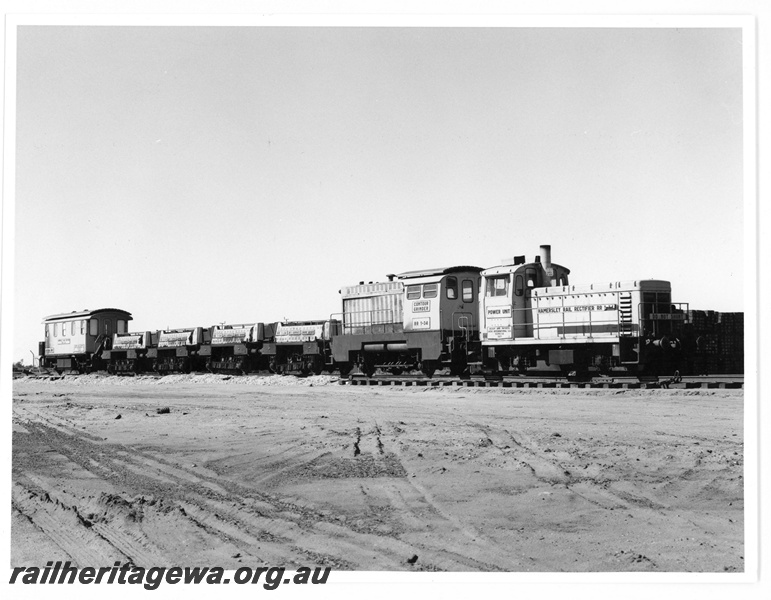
[{"x": 198, "y": 175}]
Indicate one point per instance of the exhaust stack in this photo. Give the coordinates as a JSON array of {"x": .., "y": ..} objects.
[
  {"x": 545, "y": 260},
  {"x": 545, "y": 256}
]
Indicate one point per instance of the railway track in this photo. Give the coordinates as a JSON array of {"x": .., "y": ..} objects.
[
  {"x": 685, "y": 382},
  {"x": 517, "y": 381}
]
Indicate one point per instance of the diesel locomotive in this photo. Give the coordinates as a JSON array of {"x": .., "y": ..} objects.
[{"x": 516, "y": 317}]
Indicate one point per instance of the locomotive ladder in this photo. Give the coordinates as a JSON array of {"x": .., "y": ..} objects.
[{"x": 625, "y": 314}]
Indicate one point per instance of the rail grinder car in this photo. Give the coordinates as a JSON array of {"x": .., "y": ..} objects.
[
  {"x": 234, "y": 348},
  {"x": 179, "y": 350},
  {"x": 128, "y": 353},
  {"x": 424, "y": 320},
  {"x": 532, "y": 317},
  {"x": 301, "y": 347}
]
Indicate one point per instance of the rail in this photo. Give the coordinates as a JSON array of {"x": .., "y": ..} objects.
[{"x": 538, "y": 382}]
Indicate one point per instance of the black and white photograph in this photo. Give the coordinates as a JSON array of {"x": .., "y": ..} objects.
[{"x": 296, "y": 299}]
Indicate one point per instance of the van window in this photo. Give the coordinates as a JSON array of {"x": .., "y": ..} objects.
[
  {"x": 107, "y": 327},
  {"x": 93, "y": 327},
  {"x": 120, "y": 326},
  {"x": 413, "y": 292},
  {"x": 82, "y": 327},
  {"x": 519, "y": 285},
  {"x": 72, "y": 328},
  {"x": 468, "y": 290},
  {"x": 497, "y": 286},
  {"x": 56, "y": 329},
  {"x": 452, "y": 288},
  {"x": 430, "y": 290},
  {"x": 48, "y": 332}
]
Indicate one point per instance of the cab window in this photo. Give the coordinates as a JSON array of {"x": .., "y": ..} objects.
[
  {"x": 82, "y": 327},
  {"x": 532, "y": 280},
  {"x": 413, "y": 292},
  {"x": 497, "y": 286},
  {"x": 468, "y": 290},
  {"x": 56, "y": 329},
  {"x": 48, "y": 331},
  {"x": 452, "y": 288},
  {"x": 107, "y": 327},
  {"x": 120, "y": 326},
  {"x": 430, "y": 290},
  {"x": 93, "y": 327},
  {"x": 72, "y": 328}
]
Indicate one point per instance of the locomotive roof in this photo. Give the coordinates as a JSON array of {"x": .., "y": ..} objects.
[
  {"x": 75, "y": 314},
  {"x": 511, "y": 268},
  {"x": 430, "y": 272}
]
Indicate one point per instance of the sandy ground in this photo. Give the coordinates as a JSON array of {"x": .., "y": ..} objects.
[{"x": 278, "y": 471}]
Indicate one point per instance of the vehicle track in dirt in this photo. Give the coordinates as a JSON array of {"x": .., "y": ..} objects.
[
  {"x": 264, "y": 528},
  {"x": 371, "y": 479}
]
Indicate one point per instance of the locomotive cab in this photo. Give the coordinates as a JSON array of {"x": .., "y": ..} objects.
[{"x": 507, "y": 294}]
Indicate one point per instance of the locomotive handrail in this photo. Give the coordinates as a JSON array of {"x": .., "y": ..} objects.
[{"x": 461, "y": 319}]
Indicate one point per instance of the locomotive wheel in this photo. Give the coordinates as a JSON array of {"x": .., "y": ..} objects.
[
  {"x": 428, "y": 367},
  {"x": 461, "y": 371},
  {"x": 368, "y": 368},
  {"x": 345, "y": 369}
]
